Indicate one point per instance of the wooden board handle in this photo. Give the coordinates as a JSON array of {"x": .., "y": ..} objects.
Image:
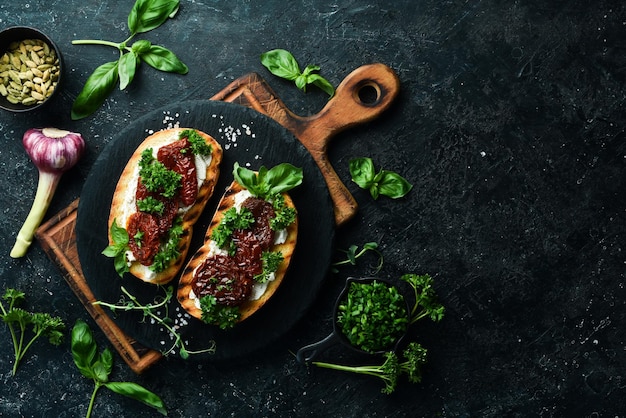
[{"x": 362, "y": 96}]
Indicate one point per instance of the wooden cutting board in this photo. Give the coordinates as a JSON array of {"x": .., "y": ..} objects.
[{"x": 362, "y": 96}]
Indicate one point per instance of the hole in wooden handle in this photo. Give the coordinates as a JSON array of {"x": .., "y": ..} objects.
[{"x": 368, "y": 93}]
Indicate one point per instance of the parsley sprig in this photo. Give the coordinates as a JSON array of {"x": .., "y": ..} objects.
[
  {"x": 392, "y": 368},
  {"x": 19, "y": 321},
  {"x": 224, "y": 316}
]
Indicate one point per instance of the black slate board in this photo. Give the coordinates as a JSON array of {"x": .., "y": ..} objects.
[{"x": 252, "y": 140}]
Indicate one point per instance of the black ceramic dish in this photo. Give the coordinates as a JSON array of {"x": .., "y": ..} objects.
[
  {"x": 310, "y": 352},
  {"x": 19, "y": 33},
  {"x": 252, "y": 140}
]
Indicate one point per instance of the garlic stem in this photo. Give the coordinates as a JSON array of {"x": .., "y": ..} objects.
[{"x": 45, "y": 190}]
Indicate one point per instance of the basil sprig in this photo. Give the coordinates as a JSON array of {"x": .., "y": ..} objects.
[
  {"x": 268, "y": 182},
  {"x": 144, "y": 16},
  {"x": 98, "y": 367},
  {"x": 385, "y": 182},
  {"x": 282, "y": 64}
]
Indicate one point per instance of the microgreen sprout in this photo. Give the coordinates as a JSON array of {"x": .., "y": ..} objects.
[
  {"x": 151, "y": 310},
  {"x": 19, "y": 320},
  {"x": 392, "y": 368},
  {"x": 353, "y": 253}
]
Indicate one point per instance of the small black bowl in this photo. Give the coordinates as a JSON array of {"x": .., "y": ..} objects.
[
  {"x": 310, "y": 352},
  {"x": 20, "y": 33}
]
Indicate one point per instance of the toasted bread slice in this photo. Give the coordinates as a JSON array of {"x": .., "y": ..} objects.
[
  {"x": 286, "y": 247},
  {"x": 123, "y": 204}
]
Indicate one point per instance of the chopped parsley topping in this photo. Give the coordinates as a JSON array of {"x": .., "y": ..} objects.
[
  {"x": 151, "y": 205},
  {"x": 169, "y": 249},
  {"x": 214, "y": 313},
  {"x": 198, "y": 144},
  {"x": 156, "y": 177},
  {"x": 271, "y": 262},
  {"x": 284, "y": 215},
  {"x": 231, "y": 221}
]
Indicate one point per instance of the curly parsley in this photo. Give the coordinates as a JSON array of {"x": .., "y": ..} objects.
[
  {"x": 169, "y": 250},
  {"x": 271, "y": 261},
  {"x": 214, "y": 313},
  {"x": 156, "y": 177},
  {"x": 198, "y": 144},
  {"x": 231, "y": 221},
  {"x": 151, "y": 205}
]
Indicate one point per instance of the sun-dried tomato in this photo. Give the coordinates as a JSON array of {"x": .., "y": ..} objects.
[{"x": 143, "y": 237}]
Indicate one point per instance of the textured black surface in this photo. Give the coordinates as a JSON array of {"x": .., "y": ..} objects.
[{"x": 510, "y": 124}]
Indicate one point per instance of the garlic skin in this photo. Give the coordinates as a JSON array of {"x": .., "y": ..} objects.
[{"x": 53, "y": 151}]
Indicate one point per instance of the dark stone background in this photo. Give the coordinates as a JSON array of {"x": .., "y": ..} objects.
[{"x": 510, "y": 124}]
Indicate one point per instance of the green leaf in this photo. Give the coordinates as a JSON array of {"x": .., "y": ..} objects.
[
  {"x": 281, "y": 63},
  {"x": 322, "y": 83},
  {"x": 393, "y": 185},
  {"x": 362, "y": 172},
  {"x": 141, "y": 46},
  {"x": 280, "y": 178},
  {"x": 126, "y": 69},
  {"x": 138, "y": 393},
  {"x": 164, "y": 60},
  {"x": 84, "y": 349},
  {"x": 97, "y": 88},
  {"x": 150, "y": 14}
]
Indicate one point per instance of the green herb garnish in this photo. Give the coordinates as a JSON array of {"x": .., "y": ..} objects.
[
  {"x": 98, "y": 367},
  {"x": 392, "y": 368},
  {"x": 353, "y": 253},
  {"x": 156, "y": 177},
  {"x": 267, "y": 183},
  {"x": 282, "y": 64},
  {"x": 151, "y": 205},
  {"x": 169, "y": 248},
  {"x": 154, "y": 312},
  {"x": 145, "y": 16},
  {"x": 283, "y": 214},
  {"x": 118, "y": 249},
  {"x": 425, "y": 298},
  {"x": 224, "y": 316},
  {"x": 197, "y": 142},
  {"x": 387, "y": 183},
  {"x": 20, "y": 321},
  {"x": 373, "y": 315},
  {"x": 271, "y": 261},
  {"x": 231, "y": 221}
]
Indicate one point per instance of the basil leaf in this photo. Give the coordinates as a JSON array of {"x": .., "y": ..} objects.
[
  {"x": 164, "y": 60},
  {"x": 362, "y": 172},
  {"x": 141, "y": 46},
  {"x": 150, "y": 14},
  {"x": 265, "y": 183},
  {"x": 393, "y": 185},
  {"x": 281, "y": 63},
  {"x": 84, "y": 348},
  {"x": 283, "y": 177},
  {"x": 126, "y": 69},
  {"x": 139, "y": 393},
  {"x": 97, "y": 87},
  {"x": 245, "y": 177},
  {"x": 319, "y": 81},
  {"x": 106, "y": 359}
]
